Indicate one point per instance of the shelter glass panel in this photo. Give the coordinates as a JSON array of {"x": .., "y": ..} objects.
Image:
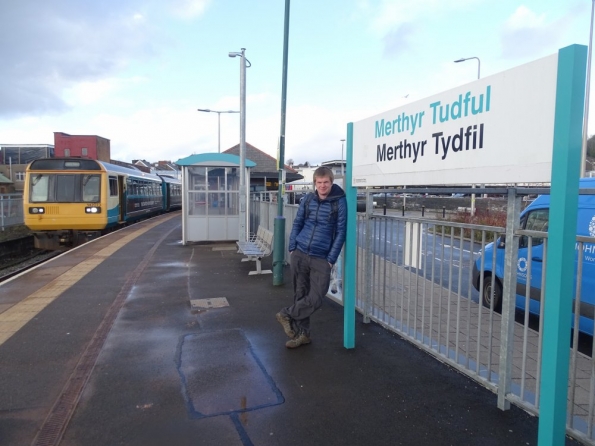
[
  {"x": 197, "y": 203},
  {"x": 216, "y": 178},
  {"x": 198, "y": 178},
  {"x": 233, "y": 207},
  {"x": 233, "y": 178},
  {"x": 217, "y": 203}
]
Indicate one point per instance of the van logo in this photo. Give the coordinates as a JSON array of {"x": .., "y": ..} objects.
[
  {"x": 592, "y": 227},
  {"x": 522, "y": 264}
]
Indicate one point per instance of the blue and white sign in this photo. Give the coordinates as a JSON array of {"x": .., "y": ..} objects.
[{"x": 498, "y": 129}]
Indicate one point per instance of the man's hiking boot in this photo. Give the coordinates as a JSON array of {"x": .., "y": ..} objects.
[
  {"x": 286, "y": 323},
  {"x": 301, "y": 339}
]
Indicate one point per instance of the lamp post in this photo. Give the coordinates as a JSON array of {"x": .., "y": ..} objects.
[
  {"x": 478, "y": 64},
  {"x": 342, "y": 162},
  {"x": 478, "y": 76},
  {"x": 279, "y": 225},
  {"x": 243, "y": 194},
  {"x": 218, "y": 123}
]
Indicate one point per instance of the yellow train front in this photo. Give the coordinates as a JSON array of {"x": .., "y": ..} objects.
[{"x": 68, "y": 201}]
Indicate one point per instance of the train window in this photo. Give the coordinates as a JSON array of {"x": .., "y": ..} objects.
[
  {"x": 113, "y": 187},
  {"x": 91, "y": 188},
  {"x": 65, "y": 188},
  {"x": 39, "y": 188}
]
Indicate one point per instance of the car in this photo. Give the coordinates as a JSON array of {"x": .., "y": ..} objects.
[{"x": 536, "y": 218}]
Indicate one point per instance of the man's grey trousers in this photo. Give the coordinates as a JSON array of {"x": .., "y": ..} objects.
[{"x": 311, "y": 279}]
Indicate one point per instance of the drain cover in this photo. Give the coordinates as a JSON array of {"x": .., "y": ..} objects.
[{"x": 215, "y": 302}]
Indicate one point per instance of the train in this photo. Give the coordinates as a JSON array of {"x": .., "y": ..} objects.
[{"x": 70, "y": 201}]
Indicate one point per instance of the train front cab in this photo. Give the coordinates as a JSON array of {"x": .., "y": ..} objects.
[{"x": 65, "y": 201}]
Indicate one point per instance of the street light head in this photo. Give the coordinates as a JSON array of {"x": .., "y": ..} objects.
[
  {"x": 234, "y": 54},
  {"x": 460, "y": 60},
  {"x": 204, "y": 109}
]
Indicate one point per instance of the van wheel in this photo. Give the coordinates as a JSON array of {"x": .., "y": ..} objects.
[{"x": 489, "y": 294}]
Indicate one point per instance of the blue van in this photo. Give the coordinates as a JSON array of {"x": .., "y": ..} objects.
[{"x": 536, "y": 218}]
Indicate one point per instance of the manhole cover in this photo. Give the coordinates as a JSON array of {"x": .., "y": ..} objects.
[{"x": 215, "y": 302}]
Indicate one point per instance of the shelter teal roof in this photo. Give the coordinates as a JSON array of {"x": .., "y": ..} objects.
[{"x": 213, "y": 160}]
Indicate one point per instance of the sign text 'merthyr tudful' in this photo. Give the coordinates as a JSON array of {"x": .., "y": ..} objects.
[{"x": 467, "y": 138}]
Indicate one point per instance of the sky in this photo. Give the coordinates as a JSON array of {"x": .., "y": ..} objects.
[{"x": 136, "y": 71}]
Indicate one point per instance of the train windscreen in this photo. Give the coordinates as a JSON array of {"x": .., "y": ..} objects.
[{"x": 65, "y": 188}]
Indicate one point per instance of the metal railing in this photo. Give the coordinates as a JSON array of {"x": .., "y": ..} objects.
[
  {"x": 11, "y": 210},
  {"x": 414, "y": 277}
]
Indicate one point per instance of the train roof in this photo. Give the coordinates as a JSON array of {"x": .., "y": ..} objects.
[
  {"x": 169, "y": 179},
  {"x": 65, "y": 164}
]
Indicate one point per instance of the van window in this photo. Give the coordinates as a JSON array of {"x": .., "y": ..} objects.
[{"x": 537, "y": 220}]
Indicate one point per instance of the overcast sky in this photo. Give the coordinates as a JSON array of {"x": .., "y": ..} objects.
[{"x": 136, "y": 71}]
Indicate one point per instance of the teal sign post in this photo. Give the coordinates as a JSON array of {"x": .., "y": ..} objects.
[
  {"x": 566, "y": 161},
  {"x": 350, "y": 249}
]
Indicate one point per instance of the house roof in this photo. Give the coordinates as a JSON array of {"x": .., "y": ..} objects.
[
  {"x": 266, "y": 165},
  {"x": 3, "y": 179}
]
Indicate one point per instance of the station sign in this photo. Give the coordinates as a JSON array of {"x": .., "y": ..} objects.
[{"x": 495, "y": 130}]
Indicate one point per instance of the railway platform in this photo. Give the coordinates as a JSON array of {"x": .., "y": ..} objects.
[{"x": 136, "y": 339}]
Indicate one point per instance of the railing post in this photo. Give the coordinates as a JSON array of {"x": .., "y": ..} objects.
[
  {"x": 508, "y": 298},
  {"x": 369, "y": 258},
  {"x": 2, "y": 212}
]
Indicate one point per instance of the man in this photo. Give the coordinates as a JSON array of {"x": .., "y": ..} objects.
[{"x": 315, "y": 242}]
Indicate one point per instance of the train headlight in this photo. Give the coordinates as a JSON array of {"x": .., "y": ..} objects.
[
  {"x": 37, "y": 210},
  {"x": 92, "y": 210}
]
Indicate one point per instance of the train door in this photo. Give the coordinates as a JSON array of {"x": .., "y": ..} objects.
[{"x": 122, "y": 196}]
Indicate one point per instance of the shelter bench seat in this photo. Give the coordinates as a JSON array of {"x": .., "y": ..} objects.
[{"x": 258, "y": 246}]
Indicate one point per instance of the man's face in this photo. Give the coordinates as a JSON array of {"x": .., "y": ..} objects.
[{"x": 323, "y": 186}]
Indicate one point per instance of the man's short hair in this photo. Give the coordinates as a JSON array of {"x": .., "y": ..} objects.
[{"x": 322, "y": 172}]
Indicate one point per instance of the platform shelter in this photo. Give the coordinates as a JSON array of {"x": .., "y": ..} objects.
[{"x": 211, "y": 196}]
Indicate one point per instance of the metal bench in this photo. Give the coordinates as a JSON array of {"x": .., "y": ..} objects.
[{"x": 258, "y": 246}]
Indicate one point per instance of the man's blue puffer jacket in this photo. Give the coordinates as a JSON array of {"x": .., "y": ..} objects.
[{"x": 322, "y": 233}]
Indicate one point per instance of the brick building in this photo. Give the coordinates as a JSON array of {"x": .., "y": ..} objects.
[{"x": 81, "y": 146}]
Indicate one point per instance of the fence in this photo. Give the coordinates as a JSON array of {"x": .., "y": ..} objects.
[
  {"x": 11, "y": 210},
  {"x": 414, "y": 277}
]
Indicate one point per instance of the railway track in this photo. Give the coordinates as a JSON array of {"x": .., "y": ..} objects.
[{"x": 18, "y": 255}]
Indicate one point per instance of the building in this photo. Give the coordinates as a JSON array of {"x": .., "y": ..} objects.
[
  {"x": 81, "y": 146},
  {"x": 167, "y": 168},
  {"x": 337, "y": 166},
  {"x": 14, "y": 159},
  {"x": 143, "y": 165},
  {"x": 265, "y": 176},
  {"x": 6, "y": 185}
]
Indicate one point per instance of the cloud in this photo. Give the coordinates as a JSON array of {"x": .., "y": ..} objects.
[
  {"x": 47, "y": 47},
  {"x": 189, "y": 9},
  {"x": 527, "y": 33},
  {"x": 398, "y": 41}
]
